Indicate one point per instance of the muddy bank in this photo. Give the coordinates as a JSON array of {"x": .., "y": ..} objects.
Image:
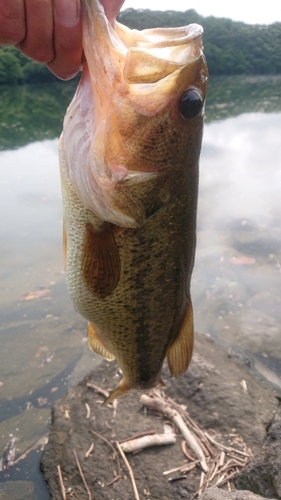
[{"x": 220, "y": 395}]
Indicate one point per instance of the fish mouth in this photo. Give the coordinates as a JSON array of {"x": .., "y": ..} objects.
[{"x": 132, "y": 56}]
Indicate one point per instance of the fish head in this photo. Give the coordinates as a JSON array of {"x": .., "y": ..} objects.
[{"x": 141, "y": 105}]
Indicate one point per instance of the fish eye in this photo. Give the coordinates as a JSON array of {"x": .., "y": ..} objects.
[{"x": 191, "y": 104}]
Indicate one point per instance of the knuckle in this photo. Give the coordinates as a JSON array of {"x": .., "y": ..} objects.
[
  {"x": 38, "y": 53},
  {"x": 11, "y": 34}
]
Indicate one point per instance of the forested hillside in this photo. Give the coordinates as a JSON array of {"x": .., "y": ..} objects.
[{"x": 230, "y": 47}]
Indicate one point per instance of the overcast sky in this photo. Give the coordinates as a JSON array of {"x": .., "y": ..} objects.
[{"x": 240, "y": 10}]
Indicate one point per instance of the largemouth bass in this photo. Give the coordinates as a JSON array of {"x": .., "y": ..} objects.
[{"x": 129, "y": 156}]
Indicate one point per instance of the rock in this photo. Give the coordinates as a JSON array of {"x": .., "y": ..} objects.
[
  {"x": 217, "y": 494},
  {"x": 216, "y": 398},
  {"x": 262, "y": 474}
]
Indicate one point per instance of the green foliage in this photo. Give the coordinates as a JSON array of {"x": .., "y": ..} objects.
[
  {"x": 15, "y": 68},
  {"x": 230, "y": 47},
  {"x": 35, "y": 112},
  {"x": 11, "y": 70}
]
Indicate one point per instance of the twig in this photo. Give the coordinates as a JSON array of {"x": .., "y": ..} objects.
[
  {"x": 185, "y": 452},
  {"x": 40, "y": 442},
  {"x": 226, "y": 479},
  {"x": 130, "y": 471},
  {"x": 182, "y": 468},
  {"x": 114, "y": 404},
  {"x": 63, "y": 493},
  {"x": 87, "y": 454},
  {"x": 109, "y": 444},
  {"x": 147, "y": 441},
  {"x": 82, "y": 475},
  {"x": 242, "y": 460},
  {"x": 135, "y": 436},
  {"x": 88, "y": 410},
  {"x": 113, "y": 481},
  {"x": 98, "y": 389},
  {"x": 215, "y": 472},
  {"x": 225, "y": 448},
  {"x": 155, "y": 403},
  {"x": 201, "y": 485},
  {"x": 222, "y": 458},
  {"x": 171, "y": 479}
]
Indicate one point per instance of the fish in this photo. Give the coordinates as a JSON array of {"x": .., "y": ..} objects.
[{"x": 129, "y": 155}]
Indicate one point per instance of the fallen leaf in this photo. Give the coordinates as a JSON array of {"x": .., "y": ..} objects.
[
  {"x": 36, "y": 294},
  {"x": 242, "y": 261}
]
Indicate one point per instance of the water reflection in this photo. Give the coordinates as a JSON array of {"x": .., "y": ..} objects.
[{"x": 236, "y": 284}]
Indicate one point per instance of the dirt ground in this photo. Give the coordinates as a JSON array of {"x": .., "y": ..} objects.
[{"x": 220, "y": 395}]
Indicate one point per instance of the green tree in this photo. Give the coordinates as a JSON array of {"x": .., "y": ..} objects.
[{"x": 11, "y": 70}]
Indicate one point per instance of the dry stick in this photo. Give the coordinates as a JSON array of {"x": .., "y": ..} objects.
[
  {"x": 242, "y": 460},
  {"x": 114, "y": 404},
  {"x": 87, "y": 454},
  {"x": 63, "y": 493},
  {"x": 82, "y": 475},
  {"x": 201, "y": 485},
  {"x": 41, "y": 441},
  {"x": 136, "y": 436},
  {"x": 185, "y": 452},
  {"x": 222, "y": 457},
  {"x": 113, "y": 481},
  {"x": 226, "y": 479},
  {"x": 88, "y": 410},
  {"x": 182, "y": 468},
  {"x": 171, "y": 479},
  {"x": 226, "y": 448},
  {"x": 147, "y": 441},
  {"x": 98, "y": 389},
  {"x": 157, "y": 404},
  {"x": 109, "y": 444},
  {"x": 130, "y": 471}
]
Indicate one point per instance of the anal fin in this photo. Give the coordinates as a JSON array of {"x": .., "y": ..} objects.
[
  {"x": 100, "y": 261},
  {"x": 180, "y": 352},
  {"x": 96, "y": 345}
]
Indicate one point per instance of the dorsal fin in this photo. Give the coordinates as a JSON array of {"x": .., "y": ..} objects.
[{"x": 100, "y": 261}]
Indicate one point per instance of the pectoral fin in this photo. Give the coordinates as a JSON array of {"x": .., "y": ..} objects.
[
  {"x": 180, "y": 352},
  {"x": 100, "y": 262},
  {"x": 96, "y": 345}
]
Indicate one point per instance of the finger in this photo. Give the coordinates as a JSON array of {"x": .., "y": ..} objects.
[
  {"x": 112, "y": 8},
  {"x": 38, "y": 42},
  {"x": 12, "y": 22},
  {"x": 67, "y": 39}
]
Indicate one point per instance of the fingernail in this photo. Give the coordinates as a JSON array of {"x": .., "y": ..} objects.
[{"x": 67, "y": 11}]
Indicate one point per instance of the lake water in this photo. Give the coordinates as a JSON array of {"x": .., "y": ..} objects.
[{"x": 236, "y": 284}]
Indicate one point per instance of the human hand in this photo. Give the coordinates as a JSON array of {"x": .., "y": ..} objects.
[{"x": 49, "y": 31}]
